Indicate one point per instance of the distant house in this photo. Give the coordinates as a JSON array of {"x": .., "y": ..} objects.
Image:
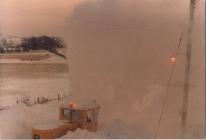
[{"x": 9, "y": 46}]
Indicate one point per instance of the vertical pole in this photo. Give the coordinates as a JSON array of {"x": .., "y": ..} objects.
[{"x": 187, "y": 69}]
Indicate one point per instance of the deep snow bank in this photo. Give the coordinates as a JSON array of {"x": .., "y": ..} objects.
[
  {"x": 17, "y": 122},
  {"x": 117, "y": 129}
]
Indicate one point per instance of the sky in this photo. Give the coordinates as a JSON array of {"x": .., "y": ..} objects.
[{"x": 36, "y": 17}]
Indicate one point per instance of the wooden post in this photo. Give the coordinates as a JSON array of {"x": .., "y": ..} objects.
[
  {"x": 58, "y": 97},
  {"x": 187, "y": 69}
]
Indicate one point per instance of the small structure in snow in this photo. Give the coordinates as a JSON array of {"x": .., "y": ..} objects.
[{"x": 83, "y": 115}]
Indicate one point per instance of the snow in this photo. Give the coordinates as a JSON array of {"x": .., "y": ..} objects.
[
  {"x": 18, "y": 121},
  {"x": 43, "y": 56},
  {"x": 115, "y": 130},
  {"x": 81, "y": 134},
  {"x": 123, "y": 61}
]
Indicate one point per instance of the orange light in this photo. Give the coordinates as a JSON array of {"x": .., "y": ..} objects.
[
  {"x": 173, "y": 59},
  {"x": 71, "y": 105}
]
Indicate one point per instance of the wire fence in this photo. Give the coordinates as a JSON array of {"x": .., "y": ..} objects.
[{"x": 31, "y": 101}]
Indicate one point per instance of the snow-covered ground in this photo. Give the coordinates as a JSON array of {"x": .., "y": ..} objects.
[
  {"x": 43, "y": 56},
  {"x": 33, "y": 78},
  {"x": 18, "y": 121},
  {"x": 30, "y": 79},
  {"x": 26, "y": 118}
]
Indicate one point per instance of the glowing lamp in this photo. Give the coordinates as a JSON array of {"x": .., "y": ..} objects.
[
  {"x": 173, "y": 59},
  {"x": 71, "y": 105}
]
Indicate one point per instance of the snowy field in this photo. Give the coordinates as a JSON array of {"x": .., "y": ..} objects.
[
  {"x": 22, "y": 79},
  {"x": 32, "y": 79}
]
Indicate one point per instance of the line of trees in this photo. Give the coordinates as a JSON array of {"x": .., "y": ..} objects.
[
  {"x": 51, "y": 44},
  {"x": 42, "y": 43}
]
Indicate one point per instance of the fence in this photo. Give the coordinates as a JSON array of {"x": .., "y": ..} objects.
[{"x": 30, "y": 101}]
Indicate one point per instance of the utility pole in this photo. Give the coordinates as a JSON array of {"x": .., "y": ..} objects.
[{"x": 187, "y": 68}]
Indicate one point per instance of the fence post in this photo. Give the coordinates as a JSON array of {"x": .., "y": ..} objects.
[{"x": 58, "y": 97}]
